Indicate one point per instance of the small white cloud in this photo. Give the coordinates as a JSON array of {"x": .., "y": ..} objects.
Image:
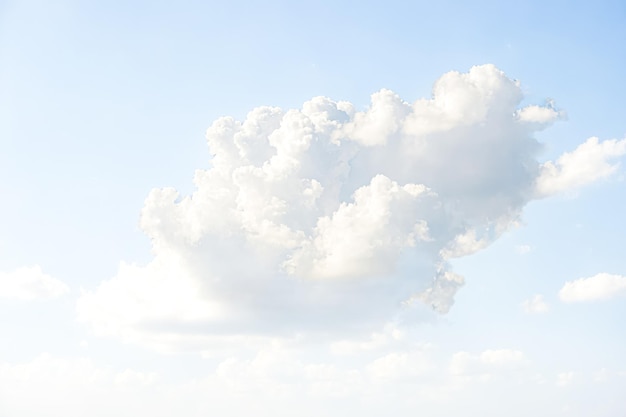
[
  {"x": 522, "y": 249},
  {"x": 400, "y": 365},
  {"x": 535, "y": 305},
  {"x": 487, "y": 363},
  {"x": 602, "y": 286},
  {"x": 501, "y": 356},
  {"x": 540, "y": 116},
  {"x": 30, "y": 283},
  {"x": 601, "y": 376},
  {"x": 129, "y": 378},
  {"x": 564, "y": 379},
  {"x": 588, "y": 163},
  {"x": 377, "y": 340}
]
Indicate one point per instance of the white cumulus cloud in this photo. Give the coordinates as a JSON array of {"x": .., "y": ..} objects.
[
  {"x": 398, "y": 365},
  {"x": 564, "y": 379},
  {"x": 598, "y": 287},
  {"x": 540, "y": 115},
  {"x": 330, "y": 220},
  {"x": 30, "y": 283},
  {"x": 535, "y": 305},
  {"x": 589, "y": 162},
  {"x": 488, "y": 364}
]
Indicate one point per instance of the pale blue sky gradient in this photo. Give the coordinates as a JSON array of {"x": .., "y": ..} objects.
[{"x": 102, "y": 101}]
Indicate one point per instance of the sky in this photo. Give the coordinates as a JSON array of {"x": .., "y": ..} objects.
[{"x": 286, "y": 208}]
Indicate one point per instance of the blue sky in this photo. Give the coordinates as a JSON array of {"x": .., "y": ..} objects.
[{"x": 142, "y": 305}]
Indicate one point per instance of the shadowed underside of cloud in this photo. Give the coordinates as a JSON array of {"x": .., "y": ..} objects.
[{"x": 327, "y": 219}]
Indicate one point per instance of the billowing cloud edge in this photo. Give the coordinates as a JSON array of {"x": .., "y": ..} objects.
[
  {"x": 602, "y": 286},
  {"x": 327, "y": 218}
]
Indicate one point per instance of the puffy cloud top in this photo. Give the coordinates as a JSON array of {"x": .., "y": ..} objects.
[
  {"x": 598, "y": 287},
  {"x": 589, "y": 162},
  {"x": 326, "y": 217}
]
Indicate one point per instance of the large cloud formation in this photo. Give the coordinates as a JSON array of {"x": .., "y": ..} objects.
[{"x": 327, "y": 218}]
